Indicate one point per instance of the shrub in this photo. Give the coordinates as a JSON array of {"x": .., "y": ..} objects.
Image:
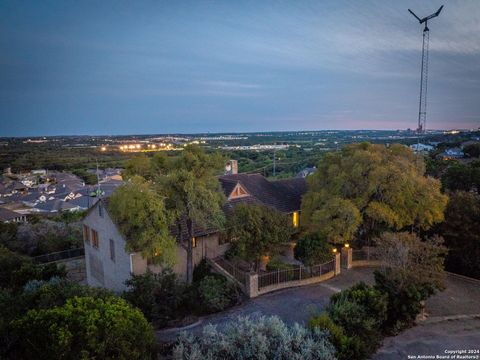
[
  {"x": 361, "y": 311},
  {"x": 201, "y": 270},
  {"x": 313, "y": 249},
  {"x": 412, "y": 271},
  {"x": 404, "y": 299},
  {"x": 37, "y": 294},
  {"x": 159, "y": 296},
  {"x": 85, "y": 328},
  {"x": 347, "y": 347},
  {"x": 216, "y": 293},
  {"x": 17, "y": 270},
  {"x": 276, "y": 264},
  {"x": 260, "y": 338}
]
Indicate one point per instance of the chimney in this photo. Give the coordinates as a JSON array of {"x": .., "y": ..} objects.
[{"x": 231, "y": 167}]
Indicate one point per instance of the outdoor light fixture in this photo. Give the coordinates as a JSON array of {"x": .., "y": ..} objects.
[
  {"x": 347, "y": 245},
  {"x": 334, "y": 250}
]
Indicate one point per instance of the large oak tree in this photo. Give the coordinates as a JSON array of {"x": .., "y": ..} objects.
[{"x": 365, "y": 189}]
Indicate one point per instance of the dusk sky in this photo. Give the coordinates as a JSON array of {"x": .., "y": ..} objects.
[{"x": 139, "y": 67}]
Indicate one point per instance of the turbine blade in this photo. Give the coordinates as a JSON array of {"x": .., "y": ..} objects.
[
  {"x": 435, "y": 14},
  {"x": 439, "y": 10},
  {"x": 411, "y": 12}
]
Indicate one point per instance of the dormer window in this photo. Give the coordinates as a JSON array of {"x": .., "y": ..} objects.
[{"x": 238, "y": 192}]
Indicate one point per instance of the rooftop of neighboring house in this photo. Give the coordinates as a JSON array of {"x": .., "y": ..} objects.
[{"x": 8, "y": 215}]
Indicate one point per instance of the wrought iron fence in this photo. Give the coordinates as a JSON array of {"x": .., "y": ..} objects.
[
  {"x": 365, "y": 254},
  {"x": 59, "y": 255},
  {"x": 294, "y": 274},
  {"x": 240, "y": 275}
]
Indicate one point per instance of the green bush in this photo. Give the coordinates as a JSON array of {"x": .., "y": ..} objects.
[
  {"x": 16, "y": 270},
  {"x": 37, "y": 294},
  {"x": 216, "y": 293},
  {"x": 347, "y": 347},
  {"x": 361, "y": 311},
  {"x": 277, "y": 264},
  {"x": 84, "y": 328},
  {"x": 260, "y": 338},
  {"x": 161, "y": 297},
  {"x": 404, "y": 299},
  {"x": 313, "y": 249},
  {"x": 201, "y": 270}
]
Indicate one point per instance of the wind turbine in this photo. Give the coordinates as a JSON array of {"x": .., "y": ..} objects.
[{"x": 422, "y": 107}]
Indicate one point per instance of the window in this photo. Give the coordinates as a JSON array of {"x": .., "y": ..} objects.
[
  {"x": 86, "y": 234},
  {"x": 295, "y": 221},
  {"x": 95, "y": 242},
  {"x": 100, "y": 210},
  {"x": 194, "y": 242},
  {"x": 112, "y": 250}
]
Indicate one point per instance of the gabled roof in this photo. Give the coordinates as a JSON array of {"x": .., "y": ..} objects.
[{"x": 284, "y": 195}]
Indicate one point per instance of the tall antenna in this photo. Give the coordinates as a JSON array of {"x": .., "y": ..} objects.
[{"x": 422, "y": 107}]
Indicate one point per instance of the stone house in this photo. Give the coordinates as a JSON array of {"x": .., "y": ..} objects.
[{"x": 109, "y": 265}]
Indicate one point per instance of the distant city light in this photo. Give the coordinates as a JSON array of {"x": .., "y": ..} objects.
[{"x": 104, "y": 148}]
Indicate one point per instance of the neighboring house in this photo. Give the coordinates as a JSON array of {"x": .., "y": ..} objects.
[
  {"x": 306, "y": 172},
  {"x": 421, "y": 147},
  {"x": 7, "y": 216},
  {"x": 109, "y": 265},
  {"x": 54, "y": 206},
  {"x": 452, "y": 153}
]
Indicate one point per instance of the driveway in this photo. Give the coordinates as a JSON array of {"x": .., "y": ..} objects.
[
  {"x": 291, "y": 305},
  {"x": 453, "y": 320},
  {"x": 453, "y": 323}
]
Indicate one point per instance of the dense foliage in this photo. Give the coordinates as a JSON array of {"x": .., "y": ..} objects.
[
  {"x": 366, "y": 189},
  {"x": 461, "y": 231},
  {"x": 142, "y": 217},
  {"x": 188, "y": 190},
  {"x": 360, "y": 311},
  {"x": 462, "y": 177},
  {"x": 313, "y": 249},
  {"x": 16, "y": 270},
  {"x": 257, "y": 231},
  {"x": 164, "y": 298},
  {"x": 42, "y": 236},
  {"x": 85, "y": 328},
  {"x": 412, "y": 271},
  {"x": 261, "y": 338},
  {"x": 161, "y": 297}
]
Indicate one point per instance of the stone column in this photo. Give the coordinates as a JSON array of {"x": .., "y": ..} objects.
[
  {"x": 347, "y": 257},
  {"x": 252, "y": 285},
  {"x": 337, "y": 263}
]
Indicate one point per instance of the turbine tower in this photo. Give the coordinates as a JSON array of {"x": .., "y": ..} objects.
[{"x": 422, "y": 107}]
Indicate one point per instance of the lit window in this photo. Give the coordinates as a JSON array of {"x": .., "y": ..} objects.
[
  {"x": 112, "y": 250},
  {"x": 86, "y": 234},
  {"x": 95, "y": 242},
  {"x": 295, "y": 219},
  {"x": 194, "y": 242}
]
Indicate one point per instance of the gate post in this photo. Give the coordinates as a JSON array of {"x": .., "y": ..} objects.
[
  {"x": 252, "y": 285},
  {"x": 347, "y": 257},
  {"x": 337, "y": 263}
]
